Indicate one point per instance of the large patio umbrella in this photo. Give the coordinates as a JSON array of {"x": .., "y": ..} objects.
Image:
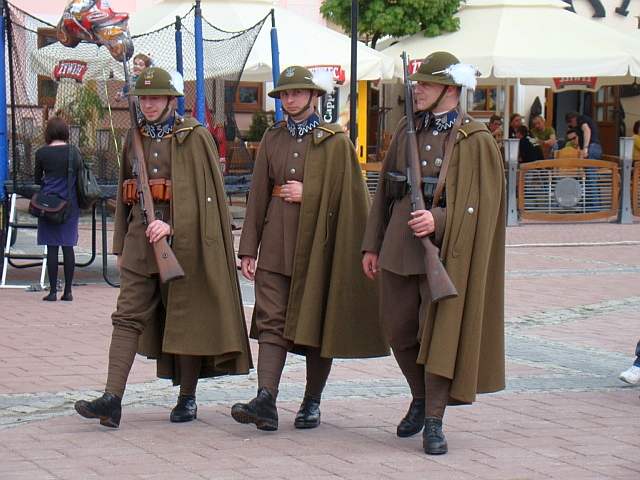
[
  {"x": 535, "y": 40},
  {"x": 301, "y": 41}
]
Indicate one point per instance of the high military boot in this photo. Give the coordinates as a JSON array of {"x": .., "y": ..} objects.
[
  {"x": 433, "y": 440},
  {"x": 413, "y": 421},
  {"x": 309, "y": 414},
  {"x": 261, "y": 411},
  {"x": 108, "y": 408},
  {"x": 185, "y": 410}
]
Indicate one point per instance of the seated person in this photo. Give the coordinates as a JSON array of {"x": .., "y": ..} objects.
[
  {"x": 572, "y": 147},
  {"x": 495, "y": 127},
  {"x": 515, "y": 120},
  {"x": 636, "y": 141},
  {"x": 529, "y": 148},
  {"x": 546, "y": 135}
]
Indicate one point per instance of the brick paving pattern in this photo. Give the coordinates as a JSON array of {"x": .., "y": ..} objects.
[{"x": 572, "y": 309}]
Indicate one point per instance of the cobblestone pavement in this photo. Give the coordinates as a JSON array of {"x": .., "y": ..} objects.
[{"x": 572, "y": 308}]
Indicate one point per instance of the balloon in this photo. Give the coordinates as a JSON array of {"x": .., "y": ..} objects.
[{"x": 93, "y": 21}]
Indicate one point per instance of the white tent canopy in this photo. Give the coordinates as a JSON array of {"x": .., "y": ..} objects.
[
  {"x": 300, "y": 41},
  {"x": 530, "y": 39}
]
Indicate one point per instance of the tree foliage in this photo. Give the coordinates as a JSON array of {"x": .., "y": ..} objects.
[
  {"x": 260, "y": 121},
  {"x": 379, "y": 18}
]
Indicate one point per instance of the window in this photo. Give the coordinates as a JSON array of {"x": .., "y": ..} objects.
[
  {"x": 604, "y": 105},
  {"x": 47, "y": 89},
  {"x": 482, "y": 101},
  {"x": 245, "y": 96}
]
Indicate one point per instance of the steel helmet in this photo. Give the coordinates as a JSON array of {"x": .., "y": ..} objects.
[
  {"x": 296, "y": 77},
  {"x": 156, "y": 81}
]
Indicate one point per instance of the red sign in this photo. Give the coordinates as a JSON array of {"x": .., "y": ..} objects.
[
  {"x": 565, "y": 82},
  {"x": 414, "y": 65},
  {"x": 338, "y": 73},
  {"x": 70, "y": 69}
]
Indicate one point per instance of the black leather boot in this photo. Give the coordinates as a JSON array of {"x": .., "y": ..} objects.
[
  {"x": 185, "y": 410},
  {"x": 261, "y": 410},
  {"x": 309, "y": 414},
  {"x": 108, "y": 408},
  {"x": 413, "y": 421},
  {"x": 433, "y": 440}
]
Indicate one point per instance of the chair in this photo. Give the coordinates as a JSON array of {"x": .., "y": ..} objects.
[
  {"x": 371, "y": 172},
  {"x": 567, "y": 184}
]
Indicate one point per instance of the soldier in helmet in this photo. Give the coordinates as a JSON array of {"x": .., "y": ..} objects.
[
  {"x": 306, "y": 215},
  {"x": 450, "y": 350},
  {"x": 194, "y": 327}
]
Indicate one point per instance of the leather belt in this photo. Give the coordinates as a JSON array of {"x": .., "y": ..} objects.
[{"x": 276, "y": 190}]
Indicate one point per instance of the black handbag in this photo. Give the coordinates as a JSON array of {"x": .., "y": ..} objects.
[
  {"x": 51, "y": 208},
  {"x": 87, "y": 187}
]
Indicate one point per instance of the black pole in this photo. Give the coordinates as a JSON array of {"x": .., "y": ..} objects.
[{"x": 353, "y": 91}]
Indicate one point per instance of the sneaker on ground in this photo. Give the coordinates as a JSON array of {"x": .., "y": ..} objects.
[{"x": 631, "y": 375}]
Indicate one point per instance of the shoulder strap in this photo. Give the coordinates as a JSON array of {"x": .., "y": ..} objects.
[
  {"x": 446, "y": 160},
  {"x": 69, "y": 172}
]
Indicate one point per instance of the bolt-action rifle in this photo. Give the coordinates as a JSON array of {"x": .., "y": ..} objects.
[
  {"x": 440, "y": 285},
  {"x": 168, "y": 266}
]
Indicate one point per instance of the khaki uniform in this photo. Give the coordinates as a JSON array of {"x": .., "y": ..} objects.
[
  {"x": 201, "y": 314},
  {"x": 461, "y": 339},
  {"x": 324, "y": 301}
]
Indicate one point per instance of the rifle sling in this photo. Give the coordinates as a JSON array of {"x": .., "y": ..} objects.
[{"x": 446, "y": 160}]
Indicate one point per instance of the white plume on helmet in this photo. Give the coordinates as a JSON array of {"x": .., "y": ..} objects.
[
  {"x": 324, "y": 79},
  {"x": 177, "y": 81},
  {"x": 463, "y": 74}
]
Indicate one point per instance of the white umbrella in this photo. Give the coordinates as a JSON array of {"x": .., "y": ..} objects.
[
  {"x": 98, "y": 62},
  {"x": 301, "y": 41},
  {"x": 530, "y": 39}
]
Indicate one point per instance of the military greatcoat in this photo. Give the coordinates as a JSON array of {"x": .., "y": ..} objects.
[
  {"x": 461, "y": 338},
  {"x": 204, "y": 313},
  {"x": 332, "y": 304}
]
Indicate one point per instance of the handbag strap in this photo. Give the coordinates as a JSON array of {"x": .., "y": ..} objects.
[
  {"x": 69, "y": 173},
  {"x": 446, "y": 160}
]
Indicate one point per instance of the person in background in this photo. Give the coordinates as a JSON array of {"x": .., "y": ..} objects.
[
  {"x": 636, "y": 140},
  {"x": 307, "y": 209},
  {"x": 590, "y": 139},
  {"x": 495, "y": 127},
  {"x": 453, "y": 349},
  {"x": 140, "y": 62},
  {"x": 194, "y": 327},
  {"x": 515, "y": 120},
  {"x": 592, "y": 150},
  {"x": 632, "y": 374},
  {"x": 529, "y": 150},
  {"x": 51, "y": 172},
  {"x": 546, "y": 135},
  {"x": 571, "y": 148}
]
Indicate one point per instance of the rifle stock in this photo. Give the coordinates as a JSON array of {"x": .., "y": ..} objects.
[
  {"x": 440, "y": 285},
  {"x": 169, "y": 268}
]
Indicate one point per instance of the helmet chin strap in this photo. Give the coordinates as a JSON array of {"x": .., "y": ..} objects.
[
  {"x": 435, "y": 104},
  {"x": 305, "y": 107}
]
